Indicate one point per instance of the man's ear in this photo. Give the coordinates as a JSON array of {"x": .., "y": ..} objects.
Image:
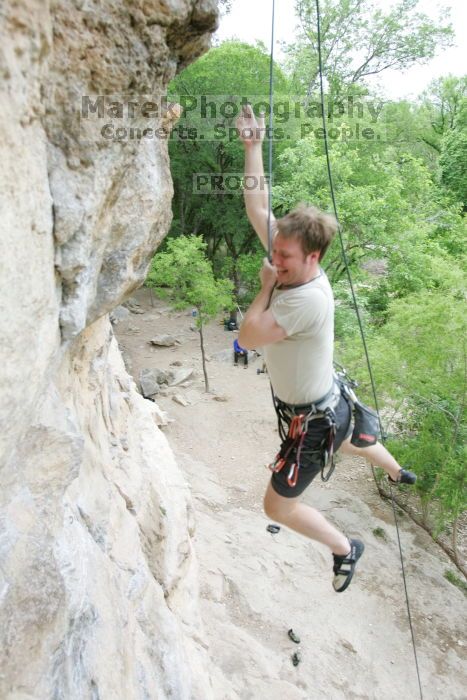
[{"x": 313, "y": 256}]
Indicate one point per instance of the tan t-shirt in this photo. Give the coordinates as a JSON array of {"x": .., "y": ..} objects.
[{"x": 300, "y": 366}]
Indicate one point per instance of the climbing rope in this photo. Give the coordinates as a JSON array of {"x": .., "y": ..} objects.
[
  {"x": 349, "y": 276},
  {"x": 271, "y": 106},
  {"x": 362, "y": 333}
]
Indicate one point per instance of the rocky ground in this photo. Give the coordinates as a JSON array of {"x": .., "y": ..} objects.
[{"x": 255, "y": 586}]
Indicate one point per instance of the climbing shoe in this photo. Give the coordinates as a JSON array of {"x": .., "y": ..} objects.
[
  {"x": 344, "y": 565},
  {"x": 405, "y": 477}
]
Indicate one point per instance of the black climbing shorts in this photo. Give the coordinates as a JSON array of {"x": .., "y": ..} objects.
[{"x": 312, "y": 451}]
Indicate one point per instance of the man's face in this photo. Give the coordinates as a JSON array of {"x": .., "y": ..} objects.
[{"x": 293, "y": 267}]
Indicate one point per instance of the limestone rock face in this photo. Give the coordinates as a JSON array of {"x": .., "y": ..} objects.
[
  {"x": 98, "y": 584},
  {"x": 112, "y": 196},
  {"x": 100, "y": 587}
]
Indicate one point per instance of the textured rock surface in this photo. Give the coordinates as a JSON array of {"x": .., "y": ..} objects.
[
  {"x": 98, "y": 585},
  {"x": 112, "y": 197}
]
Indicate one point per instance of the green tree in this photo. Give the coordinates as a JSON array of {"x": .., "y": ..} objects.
[
  {"x": 427, "y": 369},
  {"x": 184, "y": 274},
  {"x": 442, "y": 103},
  {"x": 390, "y": 207},
  {"x": 419, "y": 127},
  {"x": 380, "y": 197},
  {"x": 454, "y": 156},
  {"x": 359, "y": 40},
  {"x": 213, "y": 90},
  {"x": 419, "y": 360}
]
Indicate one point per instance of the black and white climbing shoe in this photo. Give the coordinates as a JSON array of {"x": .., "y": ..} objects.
[
  {"x": 405, "y": 477},
  {"x": 344, "y": 565}
]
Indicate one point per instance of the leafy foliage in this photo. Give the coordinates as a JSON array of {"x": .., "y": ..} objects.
[
  {"x": 183, "y": 274},
  {"x": 454, "y": 156},
  {"x": 456, "y": 581},
  {"x": 419, "y": 358},
  {"x": 395, "y": 38}
]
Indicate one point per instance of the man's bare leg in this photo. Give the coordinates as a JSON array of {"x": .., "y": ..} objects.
[
  {"x": 304, "y": 519},
  {"x": 377, "y": 454}
]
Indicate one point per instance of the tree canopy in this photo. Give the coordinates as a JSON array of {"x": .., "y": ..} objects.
[{"x": 359, "y": 40}]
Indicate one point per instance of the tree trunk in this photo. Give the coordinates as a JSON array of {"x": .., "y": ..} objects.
[
  {"x": 203, "y": 357},
  {"x": 447, "y": 547},
  {"x": 236, "y": 280},
  {"x": 236, "y": 283},
  {"x": 454, "y": 540}
]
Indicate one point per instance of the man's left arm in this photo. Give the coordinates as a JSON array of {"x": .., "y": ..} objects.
[{"x": 259, "y": 327}]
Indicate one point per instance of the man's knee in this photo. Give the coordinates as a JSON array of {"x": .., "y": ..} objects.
[
  {"x": 275, "y": 507},
  {"x": 268, "y": 506}
]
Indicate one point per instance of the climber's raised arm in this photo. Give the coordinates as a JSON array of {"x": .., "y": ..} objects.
[{"x": 251, "y": 132}]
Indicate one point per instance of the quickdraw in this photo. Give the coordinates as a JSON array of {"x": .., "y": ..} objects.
[
  {"x": 329, "y": 449},
  {"x": 294, "y": 440}
]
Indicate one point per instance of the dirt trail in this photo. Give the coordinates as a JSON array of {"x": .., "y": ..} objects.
[{"x": 255, "y": 586}]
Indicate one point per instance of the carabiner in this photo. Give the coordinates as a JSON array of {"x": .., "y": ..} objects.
[{"x": 293, "y": 475}]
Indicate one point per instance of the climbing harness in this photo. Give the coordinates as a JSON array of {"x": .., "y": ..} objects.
[{"x": 293, "y": 422}]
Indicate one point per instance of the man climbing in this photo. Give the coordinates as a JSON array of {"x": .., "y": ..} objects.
[{"x": 292, "y": 317}]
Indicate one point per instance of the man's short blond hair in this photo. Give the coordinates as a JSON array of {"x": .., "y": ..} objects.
[{"x": 311, "y": 226}]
